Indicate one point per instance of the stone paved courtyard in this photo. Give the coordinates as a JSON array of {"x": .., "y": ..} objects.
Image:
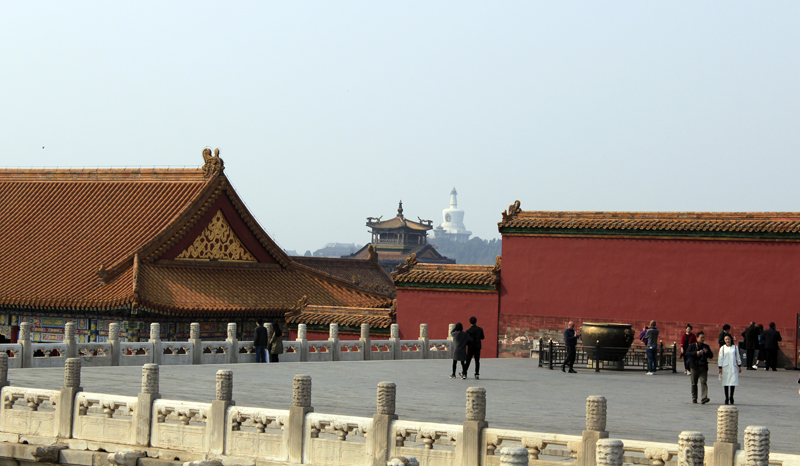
[{"x": 519, "y": 394}]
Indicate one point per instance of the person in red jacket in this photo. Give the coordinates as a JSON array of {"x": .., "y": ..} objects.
[{"x": 687, "y": 339}]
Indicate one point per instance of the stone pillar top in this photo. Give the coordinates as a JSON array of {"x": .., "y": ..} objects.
[
  {"x": 609, "y": 452},
  {"x": 423, "y": 331},
  {"x": 513, "y": 456},
  {"x": 333, "y": 331},
  {"x": 387, "y": 393},
  {"x": 691, "y": 448},
  {"x": 394, "y": 331},
  {"x": 232, "y": 331},
  {"x": 72, "y": 373},
  {"x": 756, "y": 446},
  {"x": 150, "y": 378},
  {"x": 301, "y": 391},
  {"x": 194, "y": 331},
  {"x": 450, "y": 329},
  {"x": 113, "y": 331},
  {"x": 301, "y": 332},
  {"x": 225, "y": 385},
  {"x": 728, "y": 424},
  {"x": 155, "y": 331},
  {"x": 69, "y": 331},
  {"x": 364, "y": 331},
  {"x": 596, "y": 407},
  {"x": 25, "y": 331},
  {"x": 476, "y": 404}
]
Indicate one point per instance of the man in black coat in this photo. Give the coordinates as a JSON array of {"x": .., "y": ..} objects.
[
  {"x": 771, "y": 338},
  {"x": 260, "y": 341},
  {"x": 474, "y": 346},
  {"x": 724, "y": 333},
  {"x": 570, "y": 341},
  {"x": 750, "y": 336},
  {"x": 700, "y": 353}
]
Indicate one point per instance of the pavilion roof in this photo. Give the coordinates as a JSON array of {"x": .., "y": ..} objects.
[
  {"x": 414, "y": 274},
  {"x": 364, "y": 274}
]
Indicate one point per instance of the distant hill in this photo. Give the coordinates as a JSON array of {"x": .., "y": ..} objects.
[{"x": 476, "y": 251}]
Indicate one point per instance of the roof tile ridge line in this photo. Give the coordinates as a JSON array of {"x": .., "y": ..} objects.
[
  {"x": 338, "y": 281},
  {"x": 187, "y": 217},
  {"x": 265, "y": 239}
]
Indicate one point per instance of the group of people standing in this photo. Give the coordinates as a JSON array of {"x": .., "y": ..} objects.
[
  {"x": 466, "y": 346},
  {"x": 268, "y": 348}
]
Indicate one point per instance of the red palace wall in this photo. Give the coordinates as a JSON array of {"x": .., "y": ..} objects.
[
  {"x": 439, "y": 309},
  {"x": 547, "y": 281}
]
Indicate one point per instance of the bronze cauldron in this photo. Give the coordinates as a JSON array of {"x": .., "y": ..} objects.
[{"x": 615, "y": 340}]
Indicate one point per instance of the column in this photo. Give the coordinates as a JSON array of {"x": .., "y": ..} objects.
[
  {"x": 70, "y": 340},
  {"x": 609, "y": 452},
  {"x": 113, "y": 339},
  {"x": 423, "y": 335},
  {"x": 470, "y": 453},
  {"x": 301, "y": 338},
  {"x": 233, "y": 353},
  {"x": 756, "y": 446},
  {"x": 333, "y": 337},
  {"x": 595, "y": 430},
  {"x": 155, "y": 339},
  {"x": 216, "y": 418},
  {"x": 394, "y": 335},
  {"x": 691, "y": 448},
  {"x": 144, "y": 404},
  {"x": 3, "y": 369},
  {"x": 366, "y": 341},
  {"x": 25, "y": 340},
  {"x": 727, "y": 443},
  {"x": 196, "y": 343},
  {"x": 380, "y": 435},
  {"x": 72, "y": 385},
  {"x": 301, "y": 405},
  {"x": 513, "y": 456}
]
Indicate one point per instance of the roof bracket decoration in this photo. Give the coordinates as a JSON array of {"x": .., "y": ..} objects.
[
  {"x": 217, "y": 242},
  {"x": 513, "y": 211},
  {"x": 497, "y": 265},
  {"x": 302, "y": 303},
  {"x": 403, "y": 268},
  {"x": 212, "y": 165},
  {"x": 102, "y": 274},
  {"x": 373, "y": 254}
]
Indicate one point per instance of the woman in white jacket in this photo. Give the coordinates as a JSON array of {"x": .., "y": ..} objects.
[{"x": 730, "y": 365}]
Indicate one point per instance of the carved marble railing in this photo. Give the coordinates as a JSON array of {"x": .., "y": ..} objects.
[
  {"x": 336, "y": 440},
  {"x": 430, "y": 443},
  {"x": 257, "y": 431},
  {"x": 382, "y": 350},
  {"x": 29, "y": 411},
  {"x": 319, "y": 351},
  {"x": 292, "y": 351},
  {"x": 351, "y": 350},
  {"x": 540, "y": 446},
  {"x": 94, "y": 354},
  {"x": 439, "y": 349},
  {"x": 179, "y": 425},
  {"x": 135, "y": 354},
  {"x": 176, "y": 353},
  {"x": 49, "y": 354},
  {"x": 14, "y": 352},
  {"x": 101, "y": 417}
]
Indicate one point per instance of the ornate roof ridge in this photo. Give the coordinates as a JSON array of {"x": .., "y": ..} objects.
[
  {"x": 101, "y": 174},
  {"x": 655, "y": 215}
]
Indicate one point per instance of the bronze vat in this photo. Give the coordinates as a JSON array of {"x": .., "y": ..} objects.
[{"x": 614, "y": 340}]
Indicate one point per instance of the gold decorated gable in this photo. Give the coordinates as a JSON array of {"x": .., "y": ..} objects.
[{"x": 217, "y": 242}]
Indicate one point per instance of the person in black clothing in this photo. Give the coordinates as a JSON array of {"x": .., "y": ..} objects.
[
  {"x": 460, "y": 340},
  {"x": 700, "y": 353},
  {"x": 260, "y": 341},
  {"x": 276, "y": 343},
  {"x": 724, "y": 333},
  {"x": 570, "y": 341},
  {"x": 474, "y": 347},
  {"x": 750, "y": 336},
  {"x": 771, "y": 338}
]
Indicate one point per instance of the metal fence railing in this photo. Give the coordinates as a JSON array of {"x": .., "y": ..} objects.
[{"x": 552, "y": 354}]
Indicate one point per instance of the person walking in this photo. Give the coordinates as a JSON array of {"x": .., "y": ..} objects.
[
  {"x": 276, "y": 343},
  {"x": 726, "y": 330},
  {"x": 474, "y": 347},
  {"x": 570, "y": 342},
  {"x": 260, "y": 341},
  {"x": 761, "y": 353},
  {"x": 771, "y": 339},
  {"x": 750, "y": 336},
  {"x": 699, "y": 354},
  {"x": 687, "y": 339},
  {"x": 651, "y": 342},
  {"x": 460, "y": 340},
  {"x": 730, "y": 366}
]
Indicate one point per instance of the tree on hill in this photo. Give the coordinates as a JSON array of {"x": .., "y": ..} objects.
[{"x": 476, "y": 251}]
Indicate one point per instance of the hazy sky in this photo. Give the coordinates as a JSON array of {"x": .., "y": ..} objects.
[{"x": 329, "y": 112}]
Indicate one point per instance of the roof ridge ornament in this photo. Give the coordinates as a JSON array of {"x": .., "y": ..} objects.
[
  {"x": 373, "y": 254},
  {"x": 302, "y": 303},
  {"x": 212, "y": 165},
  {"x": 400, "y": 209},
  {"x": 497, "y": 265},
  {"x": 403, "y": 268},
  {"x": 513, "y": 211}
]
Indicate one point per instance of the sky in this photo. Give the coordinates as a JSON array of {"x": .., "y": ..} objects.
[{"x": 326, "y": 113}]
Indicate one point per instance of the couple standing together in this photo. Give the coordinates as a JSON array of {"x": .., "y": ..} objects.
[
  {"x": 467, "y": 345},
  {"x": 264, "y": 342}
]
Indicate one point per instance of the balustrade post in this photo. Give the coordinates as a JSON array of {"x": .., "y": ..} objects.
[
  {"x": 301, "y": 405},
  {"x": 450, "y": 329},
  {"x": 25, "y": 340},
  {"x": 513, "y": 456},
  {"x": 113, "y": 340},
  {"x": 70, "y": 340},
  {"x": 301, "y": 338},
  {"x": 365, "y": 339},
  {"x": 219, "y": 406},
  {"x": 3, "y": 369},
  {"x": 155, "y": 339},
  {"x": 394, "y": 336},
  {"x": 756, "y": 446},
  {"x": 596, "y": 408},
  {"x": 470, "y": 451},
  {"x": 380, "y": 433},
  {"x": 608, "y": 452},
  {"x": 143, "y": 416},
  {"x": 233, "y": 344},
  {"x": 727, "y": 436},
  {"x": 333, "y": 337},
  {"x": 691, "y": 448},
  {"x": 426, "y": 345},
  {"x": 196, "y": 343},
  {"x": 66, "y": 403}
]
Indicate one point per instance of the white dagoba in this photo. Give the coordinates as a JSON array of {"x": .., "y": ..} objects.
[{"x": 453, "y": 225}]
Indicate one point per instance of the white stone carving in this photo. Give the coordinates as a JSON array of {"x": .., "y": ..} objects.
[
  {"x": 33, "y": 397},
  {"x": 125, "y": 458},
  {"x": 203, "y": 463},
  {"x": 657, "y": 456},
  {"x": 109, "y": 405},
  {"x": 259, "y": 418},
  {"x": 403, "y": 461},
  {"x": 69, "y": 331},
  {"x": 513, "y": 456},
  {"x": 155, "y": 331},
  {"x": 25, "y": 331},
  {"x": 596, "y": 413},
  {"x": 150, "y": 378},
  {"x": 301, "y": 390},
  {"x": 231, "y": 331},
  {"x": 113, "y": 331},
  {"x": 194, "y": 331},
  {"x": 609, "y": 452},
  {"x": 301, "y": 332},
  {"x": 364, "y": 331},
  {"x": 72, "y": 373},
  {"x": 423, "y": 331},
  {"x": 450, "y": 329},
  {"x": 394, "y": 332},
  {"x": 756, "y": 446},
  {"x": 3, "y": 368},
  {"x": 728, "y": 424},
  {"x": 225, "y": 385},
  {"x": 333, "y": 331},
  {"x": 476, "y": 404},
  {"x": 387, "y": 392},
  {"x": 691, "y": 448}
]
